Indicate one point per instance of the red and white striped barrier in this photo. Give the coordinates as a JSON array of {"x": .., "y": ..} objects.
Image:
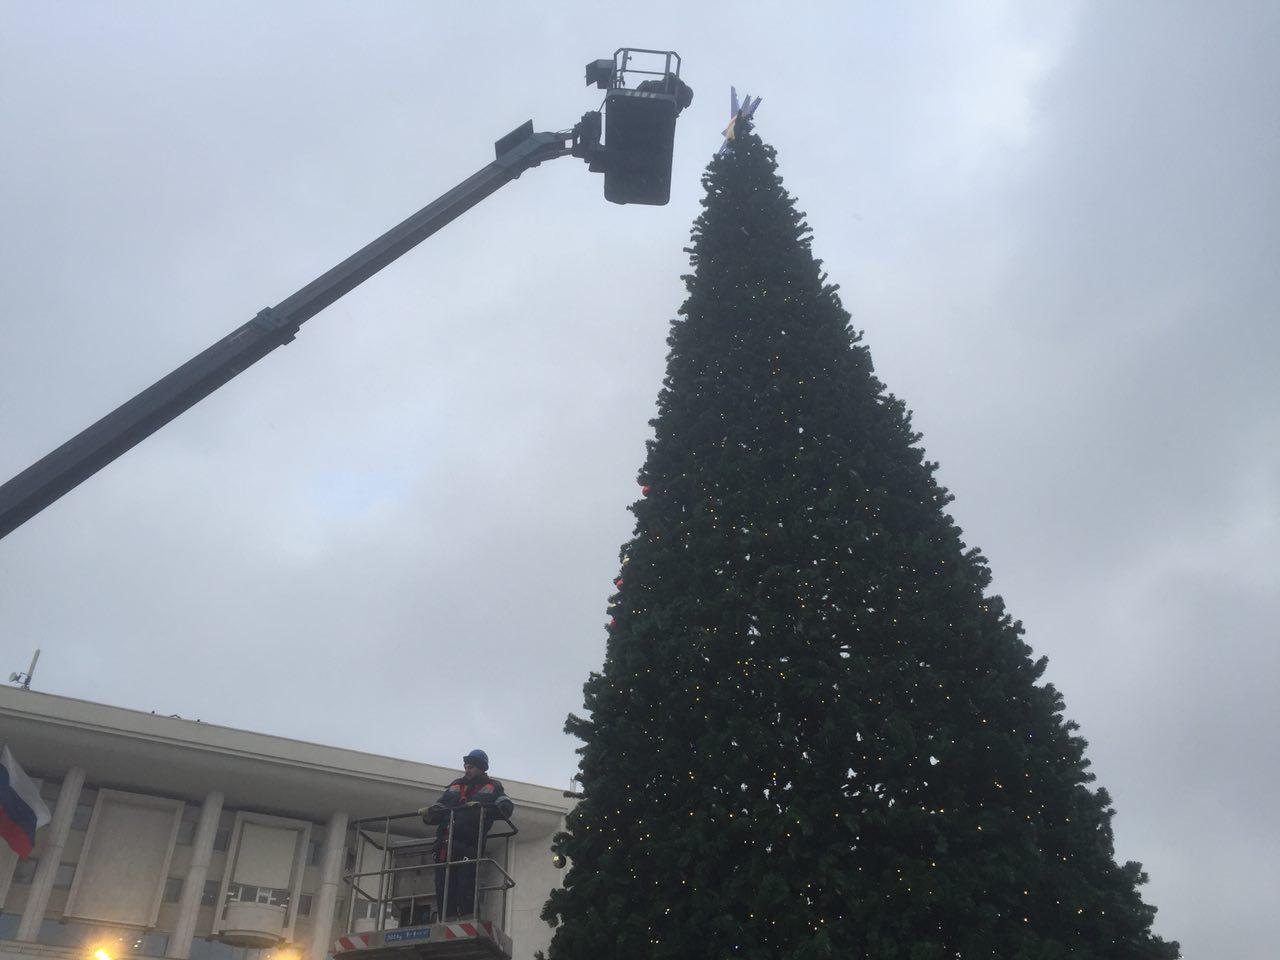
[
  {"x": 455, "y": 931},
  {"x": 357, "y": 941},
  {"x": 466, "y": 930}
]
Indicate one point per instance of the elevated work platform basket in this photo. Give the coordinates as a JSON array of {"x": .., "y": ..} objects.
[{"x": 412, "y": 899}]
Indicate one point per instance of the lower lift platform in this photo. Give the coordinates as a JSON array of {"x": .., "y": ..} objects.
[
  {"x": 460, "y": 940},
  {"x": 410, "y": 900}
]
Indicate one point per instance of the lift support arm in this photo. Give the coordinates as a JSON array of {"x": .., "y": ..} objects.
[{"x": 88, "y": 452}]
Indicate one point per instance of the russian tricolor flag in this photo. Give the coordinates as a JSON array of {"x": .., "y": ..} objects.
[{"x": 22, "y": 810}]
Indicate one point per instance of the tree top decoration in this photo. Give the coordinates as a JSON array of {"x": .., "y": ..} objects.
[{"x": 738, "y": 111}]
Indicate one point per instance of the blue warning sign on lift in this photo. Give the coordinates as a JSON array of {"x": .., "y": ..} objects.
[{"x": 413, "y": 933}]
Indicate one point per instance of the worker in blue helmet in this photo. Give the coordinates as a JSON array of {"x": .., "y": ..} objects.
[{"x": 463, "y": 816}]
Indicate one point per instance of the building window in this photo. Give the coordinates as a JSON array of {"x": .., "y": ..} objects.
[
  {"x": 187, "y": 828},
  {"x": 65, "y": 874},
  {"x": 9, "y": 925},
  {"x": 222, "y": 840},
  {"x": 25, "y": 871},
  {"x": 304, "y": 905},
  {"x": 121, "y": 874},
  {"x": 249, "y": 893},
  {"x": 49, "y": 791},
  {"x": 173, "y": 890},
  {"x": 210, "y": 895},
  {"x": 265, "y": 866},
  {"x": 55, "y": 933},
  {"x": 313, "y": 853},
  {"x": 84, "y": 813}
]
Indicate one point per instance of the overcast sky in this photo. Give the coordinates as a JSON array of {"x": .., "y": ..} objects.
[{"x": 1058, "y": 225}]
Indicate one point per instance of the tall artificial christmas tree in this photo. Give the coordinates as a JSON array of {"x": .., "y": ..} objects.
[{"x": 815, "y": 734}]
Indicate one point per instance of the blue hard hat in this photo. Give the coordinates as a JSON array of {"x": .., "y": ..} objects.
[{"x": 477, "y": 758}]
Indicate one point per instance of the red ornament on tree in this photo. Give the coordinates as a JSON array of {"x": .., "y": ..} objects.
[
  {"x": 644, "y": 491},
  {"x": 618, "y": 582}
]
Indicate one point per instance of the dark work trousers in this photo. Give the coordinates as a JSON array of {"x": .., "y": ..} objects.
[{"x": 462, "y": 886}]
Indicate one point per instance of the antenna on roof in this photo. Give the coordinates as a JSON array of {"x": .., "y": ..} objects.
[{"x": 24, "y": 679}]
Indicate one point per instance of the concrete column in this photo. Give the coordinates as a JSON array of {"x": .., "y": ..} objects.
[
  {"x": 47, "y": 871},
  {"x": 193, "y": 886},
  {"x": 325, "y": 898}
]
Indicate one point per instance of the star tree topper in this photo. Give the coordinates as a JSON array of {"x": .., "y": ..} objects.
[{"x": 739, "y": 111}]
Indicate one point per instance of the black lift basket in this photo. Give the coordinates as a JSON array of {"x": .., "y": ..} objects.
[{"x": 639, "y": 123}]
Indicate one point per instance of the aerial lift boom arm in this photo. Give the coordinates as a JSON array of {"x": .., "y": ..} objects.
[
  {"x": 133, "y": 421},
  {"x": 634, "y": 173}
]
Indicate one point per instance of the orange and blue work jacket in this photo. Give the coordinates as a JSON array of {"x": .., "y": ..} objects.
[{"x": 466, "y": 822}]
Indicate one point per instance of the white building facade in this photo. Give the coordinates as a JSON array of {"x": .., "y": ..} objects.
[{"x": 184, "y": 840}]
